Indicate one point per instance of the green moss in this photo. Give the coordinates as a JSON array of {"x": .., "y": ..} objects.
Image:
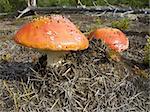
[
  {"x": 122, "y": 24},
  {"x": 97, "y": 24}
]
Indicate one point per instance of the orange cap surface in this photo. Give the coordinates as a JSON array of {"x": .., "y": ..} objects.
[
  {"x": 55, "y": 33},
  {"x": 112, "y": 37}
]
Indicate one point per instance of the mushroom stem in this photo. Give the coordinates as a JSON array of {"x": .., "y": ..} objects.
[{"x": 55, "y": 58}]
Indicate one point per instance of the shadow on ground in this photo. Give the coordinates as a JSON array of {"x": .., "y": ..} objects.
[{"x": 15, "y": 70}]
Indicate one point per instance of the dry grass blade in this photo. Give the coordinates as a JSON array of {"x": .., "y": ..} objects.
[{"x": 54, "y": 104}]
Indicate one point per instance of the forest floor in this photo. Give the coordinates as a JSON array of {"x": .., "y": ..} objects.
[{"x": 87, "y": 81}]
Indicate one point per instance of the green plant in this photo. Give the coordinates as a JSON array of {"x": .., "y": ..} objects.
[
  {"x": 122, "y": 24},
  {"x": 46, "y": 3},
  {"x": 5, "y": 6},
  {"x": 11, "y": 5}
]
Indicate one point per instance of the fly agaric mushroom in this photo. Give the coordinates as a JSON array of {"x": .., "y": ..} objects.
[
  {"x": 112, "y": 37},
  {"x": 55, "y": 35}
]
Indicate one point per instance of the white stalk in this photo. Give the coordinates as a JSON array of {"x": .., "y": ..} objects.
[{"x": 55, "y": 58}]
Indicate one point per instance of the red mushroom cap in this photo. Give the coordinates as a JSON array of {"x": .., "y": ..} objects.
[
  {"x": 55, "y": 33},
  {"x": 112, "y": 37}
]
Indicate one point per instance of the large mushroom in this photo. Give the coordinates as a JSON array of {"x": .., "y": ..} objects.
[
  {"x": 54, "y": 35},
  {"x": 115, "y": 39}
]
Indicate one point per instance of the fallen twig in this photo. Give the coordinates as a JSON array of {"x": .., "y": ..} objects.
[
  {"x": 90, "y": 9},
  {"x": 31, "y": 3},
  {"x": 80, "y": 9}
]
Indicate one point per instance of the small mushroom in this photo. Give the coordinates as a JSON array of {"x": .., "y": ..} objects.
[
  {"x": 54, "y": 35},
  {"x": 112, "y": 37},
  {"x": 115, "y": 39}
]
